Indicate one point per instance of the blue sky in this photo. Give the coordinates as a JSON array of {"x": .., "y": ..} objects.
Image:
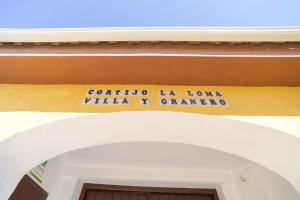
[{"x": 141, "y": 13}]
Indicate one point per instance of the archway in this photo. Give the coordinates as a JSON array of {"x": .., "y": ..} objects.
[{"x": 268, "y": 147}]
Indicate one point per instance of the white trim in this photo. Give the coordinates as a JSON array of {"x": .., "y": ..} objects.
[
  {"x": 151, "y": 54},
  {"x": 210, "y": 34}
]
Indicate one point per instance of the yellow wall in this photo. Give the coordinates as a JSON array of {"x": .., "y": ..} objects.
[{"x": 244, "y": 101}]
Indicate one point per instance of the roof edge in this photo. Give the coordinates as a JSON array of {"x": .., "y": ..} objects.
[{"x": 196, "y": 34}]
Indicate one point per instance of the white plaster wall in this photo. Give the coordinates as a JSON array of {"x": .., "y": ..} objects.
[
  {"x": 249, "y": 187},
  {"x": 261, "y": 185},
  {"x": 29, "y": 120},
  {"x": 77, "y": 190},
  {"x": 266, "y": 146},
  {"x": 276, "y": 187},
  {"x": 243, "y": 181},
  {"x": 65, "y": 189},
  {"x": 52, "y": 177},
  {"x": 230, "y": 191},
  {"x": 142, "y": 163},
  {"x": 256, "y": 182}
]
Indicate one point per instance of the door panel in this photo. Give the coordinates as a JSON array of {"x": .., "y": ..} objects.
[
  {"x": 170, "y": 196},
  {"x": 27, "y": 189},
  {"x": 140, "y": 193}
]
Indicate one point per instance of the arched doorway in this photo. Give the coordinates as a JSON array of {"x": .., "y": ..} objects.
[{"x": 268, "y": 147}]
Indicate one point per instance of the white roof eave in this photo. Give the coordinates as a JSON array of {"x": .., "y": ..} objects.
[{"x": 203, "y": 34}]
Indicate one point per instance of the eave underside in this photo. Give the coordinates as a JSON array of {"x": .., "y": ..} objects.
[{"x": 162, "y": 63}]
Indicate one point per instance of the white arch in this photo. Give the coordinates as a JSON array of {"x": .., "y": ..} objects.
[{"x": 268, "y": 147}]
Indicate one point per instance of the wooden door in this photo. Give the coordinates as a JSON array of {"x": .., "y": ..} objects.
[
  {"x": 113, "y": 195},
  {"x": 27, "y": 189},
  {"x": 170, "y": 196},
  {"x": 105, "y": 192}
]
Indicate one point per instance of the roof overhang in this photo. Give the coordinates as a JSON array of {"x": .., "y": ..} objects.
[
  {"x": 203, "y": 34},
  {"x": 256, "y": 56},
  {"x": 163, "y": 63}
]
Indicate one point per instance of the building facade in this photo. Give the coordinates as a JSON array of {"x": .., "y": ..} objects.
[{"x": 97, "y": 114}]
